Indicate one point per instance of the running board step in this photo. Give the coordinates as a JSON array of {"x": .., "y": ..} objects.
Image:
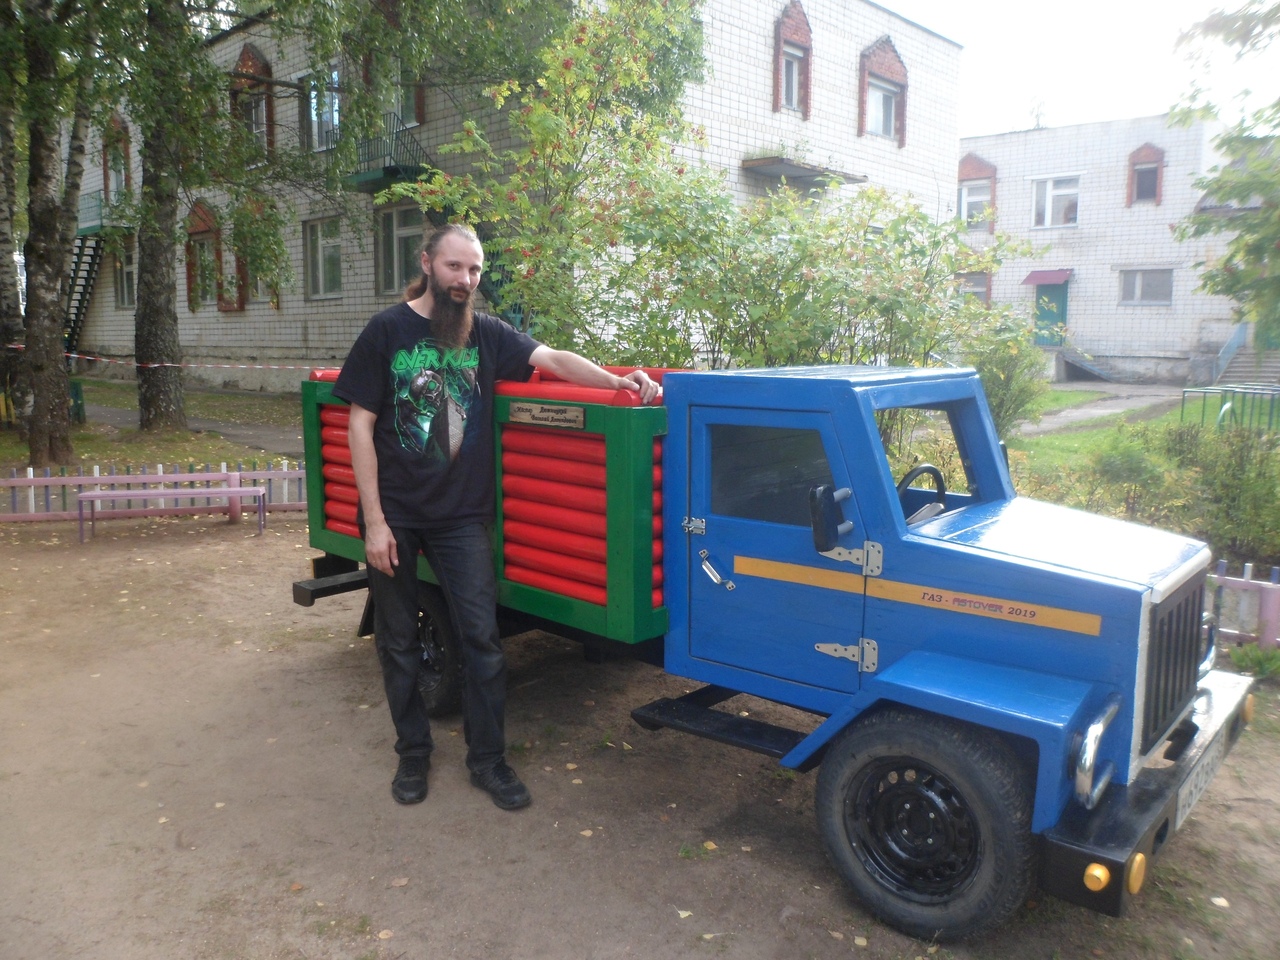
[
  {"x": 693, "y": 713},
  {"x": 307, "y": 592}
]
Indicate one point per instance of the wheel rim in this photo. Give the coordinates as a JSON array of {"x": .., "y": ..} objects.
[{"x": 912, "y": 829}]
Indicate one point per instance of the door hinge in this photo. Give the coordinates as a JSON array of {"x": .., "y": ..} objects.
[
  {"x": 870, "y": 558},
  {"x": 694, "y": 525},
  {"x": 866, "y": 653}
]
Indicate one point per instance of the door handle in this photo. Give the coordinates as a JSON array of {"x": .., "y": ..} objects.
[{"x": 713, "y": 573}]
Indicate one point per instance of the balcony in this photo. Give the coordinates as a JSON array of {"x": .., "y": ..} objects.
[
  {"x": 95, "y": 213},
  {"x": 392, "y": 156}
]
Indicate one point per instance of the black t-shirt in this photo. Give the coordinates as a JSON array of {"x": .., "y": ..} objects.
[{"x": 434, "y": 432}]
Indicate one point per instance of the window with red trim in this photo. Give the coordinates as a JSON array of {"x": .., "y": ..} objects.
[
  {"x": 252, "y": 102},
  {"x": 1146, "y": 175},
  {"x": 117, "y": 179},
  {"x": 882, "y": 92},
  {"x": 792, "y": 58},
  {"x": 206, "y": 280}
]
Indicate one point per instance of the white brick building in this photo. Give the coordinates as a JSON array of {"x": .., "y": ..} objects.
[
  {"x": 792, "y": 89},
  {"x": 1100, "y": 201}
]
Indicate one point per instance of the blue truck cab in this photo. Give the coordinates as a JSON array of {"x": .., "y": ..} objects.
[
  {"x": 1000, "y": 693},
  {"x": 1013, "y": 691}
]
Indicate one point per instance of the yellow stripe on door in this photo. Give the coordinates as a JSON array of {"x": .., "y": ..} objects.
[{"x": 997, "y": 608}]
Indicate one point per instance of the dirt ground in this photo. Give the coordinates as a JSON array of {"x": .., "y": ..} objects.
[{"x": 193, "y": 767}]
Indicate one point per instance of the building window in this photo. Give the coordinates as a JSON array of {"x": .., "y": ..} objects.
[
  {"x": 126, "y": 276},
  {"x": 399, "y": 242},
  {"x": 1146, "y": 175},
  {"x": 251, "y": 100},
  {"x": 323, "y": 114},
  {"x": 115, "y": 160},
  {"x": 792, "y": 53},
  {"x": 882, "y": 108},
  {"x": 202, "y": 266},
  {"x": 972, "y": 201},
  {"x": 1146, "y": 287},
  {"x": 975, "y": 286},
  {"x": 882, "y": 92},
  {"x": 324, "y": 258},
  {"x": 1056, "y": 202}
]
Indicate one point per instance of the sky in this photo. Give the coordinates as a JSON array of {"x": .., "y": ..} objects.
[{"x": 1085, "y": 61}]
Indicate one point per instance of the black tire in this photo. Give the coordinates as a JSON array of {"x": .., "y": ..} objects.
[
  {"x": 440, "y": 676},
  {"x": 929, "y": 821}
]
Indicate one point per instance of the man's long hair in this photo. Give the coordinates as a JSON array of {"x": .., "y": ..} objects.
[{"x": 416, "y": 289}]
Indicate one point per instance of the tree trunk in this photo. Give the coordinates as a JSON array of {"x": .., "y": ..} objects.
[
  {"x": 11, "y": 329},
  {"x": 156, "y": 342},
  {"x": 49, "y": 429}
]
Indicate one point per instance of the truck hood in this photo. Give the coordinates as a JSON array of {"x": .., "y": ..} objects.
[{"x": 1072, "y": 539}]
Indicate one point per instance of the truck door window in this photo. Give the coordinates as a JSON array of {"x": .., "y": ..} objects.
[
  {"x": 765, "y": 473},
  {"x": 916, "y": 435}
]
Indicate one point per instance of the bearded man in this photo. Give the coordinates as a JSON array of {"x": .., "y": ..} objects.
[{"x": 420, "y": 383}]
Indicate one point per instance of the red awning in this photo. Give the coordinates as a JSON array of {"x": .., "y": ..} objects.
[{"x": 1048, "y": 278}]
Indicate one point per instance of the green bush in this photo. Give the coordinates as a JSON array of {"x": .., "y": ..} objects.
[{"x": 1253, "y": 660}]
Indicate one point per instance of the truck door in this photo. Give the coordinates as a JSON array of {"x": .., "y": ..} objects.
[{"x": 760, "y": 597}]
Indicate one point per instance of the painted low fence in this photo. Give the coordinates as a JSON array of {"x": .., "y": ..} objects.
[
  {"x": 33, "y": 495},
  {"x": 1246, "y": 608}
]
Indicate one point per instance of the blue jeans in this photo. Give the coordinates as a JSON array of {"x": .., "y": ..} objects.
[{"x": 462, "y": 559}]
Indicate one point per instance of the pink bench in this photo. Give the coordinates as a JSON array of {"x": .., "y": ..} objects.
[{"x": 184, "y": 487}]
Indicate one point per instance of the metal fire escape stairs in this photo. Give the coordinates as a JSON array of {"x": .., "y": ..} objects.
[{"x": 86, "y": 258}]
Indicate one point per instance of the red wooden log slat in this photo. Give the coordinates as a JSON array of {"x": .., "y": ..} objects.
[
  {"x": 558, "y": 494},
  {"x": 545, "y": 581},
  {"x": 339, "y": 473},
  {"x": 547, "y": 468},
  {"x": 556, "y": 541},
  {"x": 657, "y": 449},
  {"x": 332, "y": 453},
  {"x": 657, "y": 550},
  {"x": 340, "y": 511},
  {"x": 584, "y": 571},
  {"x": 587, "y": 448},
  {"x": 336, "y": 435},
  {"x": 657, "y": 599},
  {"x": 326, "y": 374},
  {"x": 559, "y": 518},
  {"x": 342, "y": 492},
  {"x": 333, "y": 415},
  {"x": 567, "y": 392},
  {"x": 347, "y": 529},
  {"x": 657, "y": 575}
]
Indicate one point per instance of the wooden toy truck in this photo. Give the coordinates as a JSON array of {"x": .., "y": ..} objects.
[{"x": 1009, "y": 693}]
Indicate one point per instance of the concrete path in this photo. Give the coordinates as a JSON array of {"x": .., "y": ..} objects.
[
  {"x": 1120, "y": 398},
  {"x": 277, "y": 441}
]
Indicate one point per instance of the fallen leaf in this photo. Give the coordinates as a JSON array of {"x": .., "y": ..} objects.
[
  {"x": 685, "y": 914},
  {"x": 708, "y": 845},
  {"x": 385, "y": 934},
  {"x": 746, "y": 849},
  {"x": 588, "y": 703},
  {"x": 400, "y": 882},
  {"x": 571, "y": 766},
  {"x": 664, "y": 818},
  {"x": 295, "y": 887},
  {"x": 1220, "y": 902},
  {"x": 707, "y": 936},
  {"x": 836, "y": 934},
  {"x": 577, "y": 779},
  {"x": 547, "y": 769},
  {"x": 219, "y": 805},
  {"x": 860, "y": 941},
  {"x": 933, "y": 949},
  {"x": 627, "y": 746},
  {"x": 585, "y": 833}
]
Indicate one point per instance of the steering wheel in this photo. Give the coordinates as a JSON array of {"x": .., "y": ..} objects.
[{"x": 919, "y": 471}]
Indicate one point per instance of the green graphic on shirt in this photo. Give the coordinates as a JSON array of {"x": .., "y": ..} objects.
[{"x": 434, "y": 391}]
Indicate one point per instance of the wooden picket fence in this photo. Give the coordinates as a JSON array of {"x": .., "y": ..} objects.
[{"x": 33, "y": 495}]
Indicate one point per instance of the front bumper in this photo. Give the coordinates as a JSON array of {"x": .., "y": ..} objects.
[{"x": 1141, "y": 817}]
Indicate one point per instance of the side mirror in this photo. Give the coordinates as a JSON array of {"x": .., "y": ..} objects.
[{"x": 826, "y": 517}]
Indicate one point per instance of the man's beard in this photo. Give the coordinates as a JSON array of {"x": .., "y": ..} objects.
[{"x": 450, "y": 319}]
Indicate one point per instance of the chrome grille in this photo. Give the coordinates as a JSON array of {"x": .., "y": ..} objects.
[{"x": 1174, "y": 653}]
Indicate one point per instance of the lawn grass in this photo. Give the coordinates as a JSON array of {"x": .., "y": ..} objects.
[
  {"x": 108, "y": 446},
  {"x": 1068, "y": 451},
  {"x": 1055, "y": 399},
  {"x": 250, "y": 409}
]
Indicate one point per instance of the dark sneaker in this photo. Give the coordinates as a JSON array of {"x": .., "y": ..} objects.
[
  {"x": 410, "y": 782},
  {"x": 503, "y": 785}
]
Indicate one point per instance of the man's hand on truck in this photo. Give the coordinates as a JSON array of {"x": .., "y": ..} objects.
[{"x": 576, "y": 369}]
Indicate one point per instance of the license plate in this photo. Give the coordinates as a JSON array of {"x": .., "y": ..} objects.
[{"x": 1200, "y": 777}]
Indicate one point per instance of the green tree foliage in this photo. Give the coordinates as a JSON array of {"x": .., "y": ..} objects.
[
  {"x": 1242, "y": 195},
  {"x": 608, "y": 236}
]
